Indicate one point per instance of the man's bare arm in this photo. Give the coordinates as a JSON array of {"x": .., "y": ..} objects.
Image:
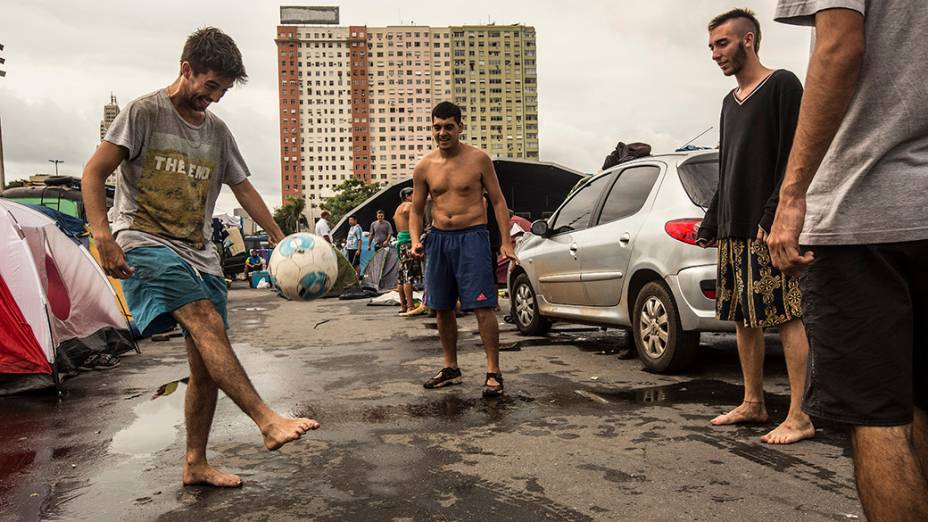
[
  {"x": 420, "y": 192},
  {"x": 104, "y": 161},
  {"x": 254, "y": 205},
  {"x": 834, "y": 70},
  {"x": 495, "y": 194}
]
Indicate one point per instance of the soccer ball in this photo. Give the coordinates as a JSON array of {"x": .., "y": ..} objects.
[{"x": 303, "y": 267}]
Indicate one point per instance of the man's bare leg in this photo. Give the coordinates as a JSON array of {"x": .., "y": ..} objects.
[
  {"x": 407, "y": 294},
  {"x": 199, "y": 406},
  {"x": 404, "y": 306},
  {"x": 209, "y": 337},
  {"x": 489, "y": 334},
  {"x": 798, "y": 425},
  {"x": 751, "y": 354},
  {"x": 920, "y": 440},
  {"x": 448, "y": 335},
  {"x": 890, "y": 481}
]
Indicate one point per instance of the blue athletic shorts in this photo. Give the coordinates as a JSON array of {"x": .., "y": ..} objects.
[
  {"x": 164, "y": 282},
  {"x": 459, "y": 267}
]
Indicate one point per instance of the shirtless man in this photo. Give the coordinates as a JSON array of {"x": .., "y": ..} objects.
[
  {"x": 172, "y": 156},
  {"x": 410, "y": 265},
  {"x": 456, "y": 175}
]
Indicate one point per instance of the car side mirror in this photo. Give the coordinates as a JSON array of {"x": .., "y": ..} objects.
[{"x": 540, "y": 228}]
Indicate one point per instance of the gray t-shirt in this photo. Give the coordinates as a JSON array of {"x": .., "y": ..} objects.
[
  {"x": 872, "y": 186},
  {"x": 380, "y": 231},
  {"x": 166, "y": 189}
]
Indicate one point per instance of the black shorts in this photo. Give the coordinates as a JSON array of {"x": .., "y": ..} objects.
[
  {"x": 866, "y": 315},
  {"x": 354, "y": 256}
]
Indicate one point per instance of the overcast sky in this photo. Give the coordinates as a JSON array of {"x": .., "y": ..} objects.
[{"x": 607, "y": 71}]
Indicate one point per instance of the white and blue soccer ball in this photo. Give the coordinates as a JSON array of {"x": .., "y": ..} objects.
[{"x": 303, "y": 267}]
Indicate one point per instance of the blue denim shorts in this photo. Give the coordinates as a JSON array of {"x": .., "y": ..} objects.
[{"x": 162, "y": 283}]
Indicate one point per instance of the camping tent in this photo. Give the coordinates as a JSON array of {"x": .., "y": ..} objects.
[
  {"x": 56, "y": 306},
  {"x": 383, "y": 270}
]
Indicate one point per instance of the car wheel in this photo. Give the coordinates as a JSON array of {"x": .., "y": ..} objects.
[
  {"x": 662, "y": 344},
  {"x": 525, "y": 308}
]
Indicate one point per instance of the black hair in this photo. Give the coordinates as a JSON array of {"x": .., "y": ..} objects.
[
  {"x": 746, "y": 14},
  {"x": 407, "y": 191},
  {"x": 446, "y": 110},
  {"x": 209, "y": 49}
]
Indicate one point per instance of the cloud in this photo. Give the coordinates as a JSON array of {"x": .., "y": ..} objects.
[{"x": 636, "y": 70}]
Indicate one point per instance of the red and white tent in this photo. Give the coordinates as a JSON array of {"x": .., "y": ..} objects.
[{"x": 56, "y": 305}]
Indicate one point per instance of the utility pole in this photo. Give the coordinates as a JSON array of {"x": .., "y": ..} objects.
[
  {"x": 56, "y": 162},
  {"x": 2, "y": 176}
]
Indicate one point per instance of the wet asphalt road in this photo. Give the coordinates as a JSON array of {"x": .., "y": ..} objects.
[{"x": 580, "y": 435}]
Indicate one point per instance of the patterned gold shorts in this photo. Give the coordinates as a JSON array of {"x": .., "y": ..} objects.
[{"x": 750, "y": 289}]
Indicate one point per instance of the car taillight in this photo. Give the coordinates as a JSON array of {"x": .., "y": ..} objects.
[{"x": 683, "y": 229}]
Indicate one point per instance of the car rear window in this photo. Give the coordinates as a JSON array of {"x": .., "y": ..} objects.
[{"x": 700, "y": 179}]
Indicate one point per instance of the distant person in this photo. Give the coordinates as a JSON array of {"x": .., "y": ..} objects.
[
  {"x": 459, "y": 265},
  {"x": 173, "y": 156},
  {"x": 757, "y": 127},
  {"x": 253, "y": 262},
  {"x": 410, "y": 265},
  {"x": 381, "y": 232},
  {"x": 852, "y": 214},
  {"x": 323, "y": 229},
  {"x": 353, "y": 243}
]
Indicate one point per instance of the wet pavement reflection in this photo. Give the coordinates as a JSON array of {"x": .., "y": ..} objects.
[{"x": 576, "y": 437}]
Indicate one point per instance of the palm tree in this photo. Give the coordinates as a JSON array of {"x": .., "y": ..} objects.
[{"x": 290, "y": 217}]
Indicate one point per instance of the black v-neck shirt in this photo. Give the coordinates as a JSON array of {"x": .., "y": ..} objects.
[{"x": 756, "y": 135}]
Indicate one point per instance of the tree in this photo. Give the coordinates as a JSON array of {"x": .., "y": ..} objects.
[
  {"x": 14, "y": 184},
  {"x": 349, "y": 194},
  {"x": 290, "y": 216}
]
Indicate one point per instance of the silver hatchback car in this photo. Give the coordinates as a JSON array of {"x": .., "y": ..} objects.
[{"x": 621, "y": 252}]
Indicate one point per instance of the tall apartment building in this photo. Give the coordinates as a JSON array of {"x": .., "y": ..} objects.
[
  {"x": 110, "y": 111},
  {"x": 356, "y": 101}
]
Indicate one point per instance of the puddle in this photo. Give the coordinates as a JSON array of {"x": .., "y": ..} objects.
[
  {"x": 12, "y": 465},
  {"x": 155, "y": 426},
  {"x": 449, "y": 407},
  {"x": 710, "y": 392},
  {"x": 603, "y": 344}
]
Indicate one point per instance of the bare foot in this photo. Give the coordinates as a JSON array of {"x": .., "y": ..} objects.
[
  {"x": 791, "y": 431},
  {"x": 206, "y": 475},
  {"x": 748, "y": 412},
  {"x": 282, "y": 430}
]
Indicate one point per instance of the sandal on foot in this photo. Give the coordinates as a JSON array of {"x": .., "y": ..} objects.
[
  {"x": 445, "y": 377},
  {"x": 493, "y": 390}
]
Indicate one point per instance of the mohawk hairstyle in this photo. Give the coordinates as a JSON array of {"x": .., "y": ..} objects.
[{"x": 745, "y": 14}]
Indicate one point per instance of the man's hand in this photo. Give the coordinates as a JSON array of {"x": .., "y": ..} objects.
[
  {"x": 783, "y": 240},
  {"x": 761, "y": 234},
  {"x": 113, "y": 259},
  {"x": 274, "y": 237},
  {"x": 507, "y": 251},
  {"x": 418, "y": 251}
]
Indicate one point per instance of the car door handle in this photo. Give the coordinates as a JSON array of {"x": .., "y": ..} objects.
[
  {"x": 573, "y": 249},
  {"x": 625, "y": 239}
]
